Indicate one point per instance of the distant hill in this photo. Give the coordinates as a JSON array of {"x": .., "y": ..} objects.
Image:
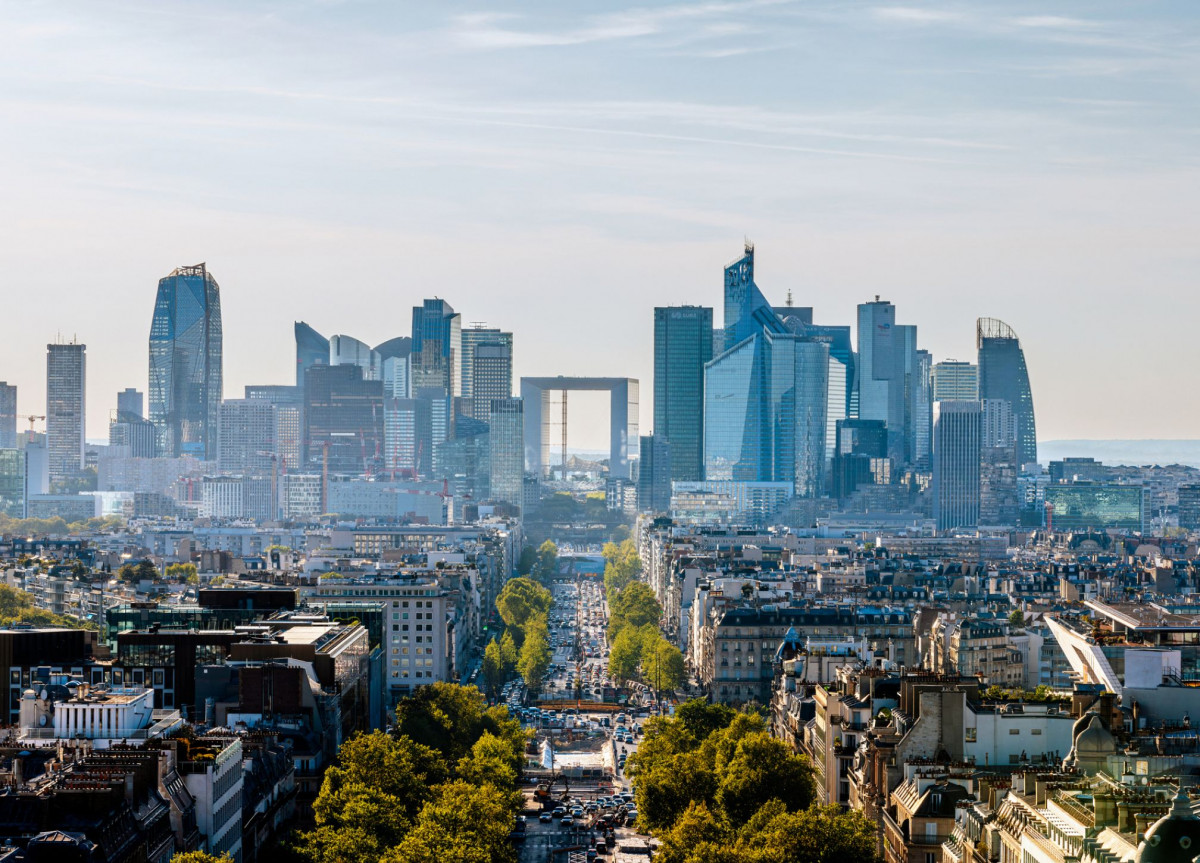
[{"x": 1130, "y": 452}]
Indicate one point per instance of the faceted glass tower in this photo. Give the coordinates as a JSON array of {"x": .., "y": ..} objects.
[
  {"x": 1002, "y": 375},
  {"x": 185, "y": 363},
  {"x": 682, "y": 345}
]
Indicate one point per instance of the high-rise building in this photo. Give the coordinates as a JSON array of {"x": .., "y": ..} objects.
[
  {"x": 999, "y": 499},
  {"x": 747, "y": 311},
  {"x": 920, "y": 389},
  {"x": 491, "y": 375},
  {"x": 289, "y": 420},
  {"x": 957, "y": 431},
  {"x": 436, "y": 347},
  {"x": 464, "y": 464},
  {"x": 186, "y": 363},
  {"x": 1003, "y": 375},
  {"x": 1189, "y": 507},
  {"x": 130, "y": 402},
  {"x": 138, "y": 435},
  {"x": 12, "y": 482},
  {"x": 860, "y": 456},
  {"x": 955, "y": 381},
  {"x": 66, "y": 409},
  {"x": 506, "y": 422},
  {"x": 405, "y": 426},
  {"x": 887, "y": 363},
  {"x": 654, "y": 475},
  {"x": 842, "y": 366},
  {"x": 472, "y": 337},
  {"x": 348, "y": 351},
  {"x": 312, "y": 349},
  {"x": 8, "y": 416},
  {"x": 343, "y": 420},
  {"x": 247, "y": 437},
  {"x": 683, "y": 341}
]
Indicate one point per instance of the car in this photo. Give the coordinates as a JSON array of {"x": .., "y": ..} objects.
[
  {"x": 545, "y": 818},
  {"x": 567, "y": 821},
  {"x": 559, "y": 812},
  {"x": 591, "y": 854}
]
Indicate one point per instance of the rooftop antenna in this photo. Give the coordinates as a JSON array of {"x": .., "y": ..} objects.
[{"x": 789, "y": 298}]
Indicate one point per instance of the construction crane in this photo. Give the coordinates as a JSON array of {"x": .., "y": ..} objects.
[{"x": 32, "y": 419}]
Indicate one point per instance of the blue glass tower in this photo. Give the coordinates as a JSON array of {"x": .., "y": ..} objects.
[
  {"x": 185, "y": 363},
  {"x": 747, "y": 311},
  {"x": 312, "y": 349},
  {"x": 1003, "y": 375},
  {"x": 436, "y": 347},
  {"x": 682, "y": 345}
]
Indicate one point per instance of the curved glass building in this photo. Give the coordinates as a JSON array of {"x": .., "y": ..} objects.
[
  {"x": 312, "y": 349},
  {"x": 185, "y": 363},
  {"x": 1003, "y": 375}
]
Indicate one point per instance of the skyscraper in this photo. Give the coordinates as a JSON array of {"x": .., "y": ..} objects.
[
  {"x": 491, "y": 375},
  {"x": 506, "y": 421},
  {"x": 747, "y": 311},
  {"x": 859, "y": 454},
  {"x": 12, "y": 482},
  {"x": 999, "y": 503},
  {"x": 1003, "y": 375},
  {"x": 312, "y": 349},
  {"x": 473, "y": 337},
  {"x": 130, "y": 403},
  {"x": 348, "y": 351},
  {"x": 247, "y": 437},
  {"x": 955, "y": 381},
  {"x": 436, "y": 347},
  {"x": 887, "y": 361},
  {"x": 957, "y": 429},
  {"x": 66, "y": 408},
  {"x": 683, "y": 340},
  {"x": 8, "y": 415},
  {"x": 654, "y": 475},
  {"x": 186, "y": 363},
  {"x": 343, "y": 420}
]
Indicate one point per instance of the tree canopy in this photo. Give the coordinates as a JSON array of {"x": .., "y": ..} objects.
[
  {"x": 634, "y": 605},
  {"x": 450, "y": 718},
  {"x": 621, "y": 565},
  {"x": 521, "y": 600}
]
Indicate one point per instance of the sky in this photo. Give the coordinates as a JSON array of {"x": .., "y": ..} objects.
[{"x": 559, "y": 169}]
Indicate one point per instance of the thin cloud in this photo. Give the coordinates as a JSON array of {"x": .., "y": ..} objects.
[
  {"x": 1054, "y": 22},
  {"x": 914, "y": 15}
]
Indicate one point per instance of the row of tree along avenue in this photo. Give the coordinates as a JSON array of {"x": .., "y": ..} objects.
[
  {"x": 716, "y": 787},
  {"x": 524, "y": 606},
  {"x": 637, "y": 649}
]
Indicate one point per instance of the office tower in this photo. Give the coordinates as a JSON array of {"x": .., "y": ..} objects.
[
  {"x": 343, "y": 420},
  {"x": 289, "y": 420},
  {"x": 1189, "y": 507},
  {"x": 921, "y": 408},
  {"x": 860, "y": 456},
  {"x": 1003, "y": 375},
  {"x": 1072, "y": 506},
  {"x": 490, "y": 373},
  {"x": 397, "y": 366},
  {"x": 12, "y": 482},
  {"x": 506, "y": 422},
  {"x": 441, "y": 419},
  {"x": 842, "y": 371},
  {"x": 957, "y": 431},
  {"x": 405, "y": 424},
  {"x": 955, "y": 381},
  {"x": 312, "y": 349},
  {"x": 747, "y": 311},
  {"x": 436, "y": 347},
  {"x": 464, "y": 463},
  {"x": 37, "y": 466},
  {"x": 765, "y": 408},
  {"x": 185, "y": 363},
  {"x": 130, "y": 403},
  {"x": 887, "y": 362},
  {"x": 999, "y": 501},
  {"x": 138, "y": 435},
  {"x": 66, "y": 384},
  {"x": 683, "y": 339},
  {"x": 8, "y": 416},
  {"x": 347, "y": 351},
  {"x": 654, "y": 474},
  {"x": 247, "y": 437},
  {"x": 300, "y": 496},
  {"x": 472, "y": 337}
]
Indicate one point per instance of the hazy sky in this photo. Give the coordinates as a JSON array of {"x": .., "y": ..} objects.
[{"x": 559, "y": 168}]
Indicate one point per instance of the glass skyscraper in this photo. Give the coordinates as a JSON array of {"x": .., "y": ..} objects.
[
  {"x": 1003, "y": 375},
  {"x": 185, "y": 363},
  {"x": 957, "y": 433},
  {"x": 66, "y": 409},
  {"x": 312, "y": 349},
  {"x": 683, "y": 339},
  {"x": 887, "y": 363},
  {"x": 8, "y": 415},
  {"x": 436, "y": 347}
]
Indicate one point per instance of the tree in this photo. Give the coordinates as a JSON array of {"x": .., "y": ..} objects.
[
  {"x": 636, "y": 605},
  {"x": 465, "y": 823},
  {"x": 625, "y": 653},
  {"x": 181, "y": 571},
  {"x": 450, "y": 718},
  {"x": 535, "y": 655},
  {"x": 521, "y": 600},
  {"x": 762, "y": 769},
  {"x": 508, "y": 654},
  {"x": 527, "y": 560},
  {"x": 493, "y": 762},
  {"x": 547, "y": 561},
  {"x": 492, "y": 667},
  {"x": 662, "y": 664},
  {"x": 1017, "y": 618},
  {"x": 698, "y": 836},
  {"x": 200, "y": 857},
  {"x": 701, "y": 718},
  {"x": 621, "y": 565},
  {"x": 819, "y": 834}
]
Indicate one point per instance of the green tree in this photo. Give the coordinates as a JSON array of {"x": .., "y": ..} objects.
[
  {"x": 762, "y": 768},
  {"x": 200, "y": 857},
  {"x": 521, "y": 600},
  {"x": 492, "y": 668},
  {"x": 819, "y": 834},
  {"x": 534, "y": 660},
  {"x": 493, "y": 762},
  {"x": 527, "y": 560},
  {"x": 450, "y": 718},
  {"x": 698, "y": 836},
  {"x": 508, "y": 653},
  {"x": 701, "y": 718},
  {"x": 625, "y": 653},
  {"x": 181, "y": 571},
  {"x": 662, "y": 664},
  {"x": 621, "y": 565},
  {"x": 547, "y": 562},
  {"x": 636, "y": 605},
  {"x": 464, "y": 823},
  {"x": 1017, "y": 618}
]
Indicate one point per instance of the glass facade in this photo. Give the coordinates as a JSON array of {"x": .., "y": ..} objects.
[
  {"x": 747, "y": 311},
  {"x": 957, "y": 432},
  {"x": 343, "y": 419},
  {"x": 66, "y": 409},
  {"x": 683, "y": 339},
  {"x": 12, "y": 482},
  {"x": 185, "y": 363},
  {"x": 312, "y": 349},
  {"x": 654, "y": 475},
  {"x": 8, "y": 415},
  {"x": 735, "y": 442},
  {"x": 436, "y": 347},
  {"x": 1087, "y": 506},
  {"x": 1003, "y": 375}
]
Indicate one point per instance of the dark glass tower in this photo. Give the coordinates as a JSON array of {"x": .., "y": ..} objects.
[
  {"x": 312, "y": 349},
  {"x": 185, "y": 363},
  {"x": 682, "y": 345},
  {"x": 1002, "y": 375}
]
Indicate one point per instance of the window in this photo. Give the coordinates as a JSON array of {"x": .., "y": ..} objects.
[
  {"x": 1036, "y": 732},
  {"x": 1014, "y": 731}
]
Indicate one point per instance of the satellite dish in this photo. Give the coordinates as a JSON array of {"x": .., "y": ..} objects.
[
  {"x": 43, "y": 720},
  {"x": 44, "y": 694}
]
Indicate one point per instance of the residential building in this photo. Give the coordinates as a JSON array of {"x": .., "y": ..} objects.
[{"x": 186, "y": 363}]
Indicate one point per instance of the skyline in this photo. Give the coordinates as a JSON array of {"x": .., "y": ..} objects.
[{"x": 1031, "y": 165}]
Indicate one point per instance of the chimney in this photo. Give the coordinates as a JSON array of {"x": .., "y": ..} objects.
[
  {"x": 1104, "y": 806},
  {"x": 129, "y": 789},
  {"x": 1124, "y": 817},
  {"x": 18, "y": 772}
]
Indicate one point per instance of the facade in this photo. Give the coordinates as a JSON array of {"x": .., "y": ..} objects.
[
  {"x": 300, "y": 496},
  {"x": 436, "y": 347},
  {"x": 246, "y": 442},
  {"x": 1003, "y": 375},
  {"x": 654, "y": 475},
  {"x": 955, "y": 381},
  {"x": 999, "y": 502},
  {"x": 860, "y": 456},
  {"x": 887, "y": 365},
  {"x": 66, "y": 408},
  {"x": 12, "y": 482},
  {"x": 405, "y": 425},
  {"x": 956, "y": 459},
  {"x": 131, "y": 402},
  {"x": 289, "y": 427},
  {"x": 506, "y": 443},
  {"x": 138, "y": 435},
  {"x": 486, "y": 369},
  {"x": 347, "y": 351},
  {"x": 623, "y": 420},
  {"x": 343, "y": 420},
  {"x": 1095, "y": 506},
  {"x": 683, "y": 339},
  {"x": 1189, "y": 507},
  {"x": 186, "y": 363},
  {"x": 395, "y": 502},
  {"x": 312, "y": 349},
  {"x": 8, "y": 415}
]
